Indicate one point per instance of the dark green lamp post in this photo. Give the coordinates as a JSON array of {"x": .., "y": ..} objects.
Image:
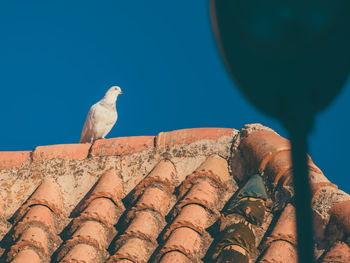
[{"x": 290, "y": 59}]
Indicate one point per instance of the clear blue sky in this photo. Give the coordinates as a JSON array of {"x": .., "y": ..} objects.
[{"x": 59, "y": 57}]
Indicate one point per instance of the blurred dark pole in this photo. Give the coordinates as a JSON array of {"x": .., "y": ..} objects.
[
  {"x": 290, "y": 59},
  {"x": 298, "y": 132}
]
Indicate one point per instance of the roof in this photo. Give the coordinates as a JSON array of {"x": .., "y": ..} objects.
[{"x": 192, "y": 195}]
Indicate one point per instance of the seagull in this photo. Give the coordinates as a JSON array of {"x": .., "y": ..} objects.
[{"x": 101, "y": 117}]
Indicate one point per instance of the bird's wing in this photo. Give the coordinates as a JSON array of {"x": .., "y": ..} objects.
[
  {"x": 110, "y": 123},
  {"x": 86, "y": 134}
]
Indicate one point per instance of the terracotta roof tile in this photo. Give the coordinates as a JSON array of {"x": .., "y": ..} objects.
[
  {"x": 94, "y": 226},
  {"x": 278, "y": 164},
  {"x": 260, "y": 146},
  {"x": 194, "y": 216},
  {"x": 119, "y": 260},
  {"x": 280, "y": 245},
  {"x": 207, "y": 183},
  {"x": 147, "y": 217},
  {"x": 280, "y": 251},
  {"x": 339, "y": 253},
  {"x": 27, "y": 255},
  {"x": 47, "y": 194},
  {"x": 134, "y": 249},
  {"x": 144, "y": 224},
  {"x": 93, "y": 230},
  {"x": 163, "y": 174},
  {"x": 169, "y": 198},
  {"x": 40, "y": 213},
  {"x": 72, "y": 248},
  {"x": 10, "y": 160},
  {"x": 32, "y": 237},
  {"x": 62, "y": 151},
  {"x": 189, "y": 242},
  {"x": 216, "y": 166},
  {"x": 37, "y": 229},
  {"x": 110, "y": 186},
  {"x": 187, "y": 136},
  {"x": 82, "y": 253},
  {"x": 175, "y": 257},
  {"x": 122, "y": 145},
  {"x": 37, "y": 215},
  {"x": 285, "y": 228},
  {"x": 339, "y": 223},
  {"x": 326, "y": 198},
  {"x": 102, "y": 210},
  {"x": 155, "y": 199},
  {"x": 202, "y": 193},
  {"x": 154, "y": 193}
]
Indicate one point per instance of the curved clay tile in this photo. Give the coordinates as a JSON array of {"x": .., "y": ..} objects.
[
  {"x": 280, "y": 245},
  {"x": 47, "y": 194},
  {"x": 214, "y": 170},
  {"x": 197, "y": 210},
  {"x": 175, "y": 257},
  {"x": 27, "y": 255},
  {"x": 193, "y": 215},
  {"x": 156, "y": 199},
  {"x": 94, "y": 227},
  {"x": 36, "y": 227},
  {"x": 163, "y": 175},
  {"x": 207, "y": 186},
  {"x": 83, "y": 253},
  {"x": 110, "y": 185},
  {"x": 259, "y": 146},
  {"x": 145, "y": 223},
  {"x": 91, "y": 241},
  {"x": 339, "y": 223},
  {"x": 216, "y": 165},
  {"x": 146, "y": 218},
  {"x": 133, "y": 247},
  {"x": 92, "y": 232},
  {"x": 102, "y": 210},
  {"x": 339, "y": 253},
  {"x": 203, "y": 193},
  {"x": 34, "y": 238},
  {"x": 37, "y": 215},
  {"x": 280, "y": 251},
  {"x": 187, "y": 241}
]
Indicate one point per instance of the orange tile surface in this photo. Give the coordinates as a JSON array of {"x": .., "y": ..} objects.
[
  {"x": 122, "y": 145},
  {"x": 62, "y": 151},
  {"x": 10, "y": 160},
  {"x": 132, "y": 200}
]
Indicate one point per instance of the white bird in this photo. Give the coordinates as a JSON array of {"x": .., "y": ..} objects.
[{"x": 101, "y": 117}]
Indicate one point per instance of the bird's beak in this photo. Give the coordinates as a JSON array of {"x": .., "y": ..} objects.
[{"x": 121, "y": 93}]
